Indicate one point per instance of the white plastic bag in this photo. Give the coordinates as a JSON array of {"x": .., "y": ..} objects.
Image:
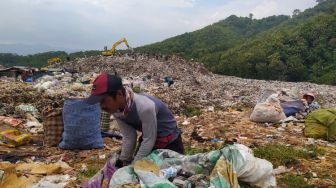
[
  {"x": 250, "y": 169},
  {"x": 269, "y": 111}
]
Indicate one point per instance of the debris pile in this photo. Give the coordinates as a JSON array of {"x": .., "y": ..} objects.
[
  {"x": 212, "y": 111},
  {"x": 193, "y": 84}
]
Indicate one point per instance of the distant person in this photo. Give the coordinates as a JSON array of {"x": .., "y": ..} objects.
[
  {"x": 136, "y": 112},
  {"x": 169, "y": 80},
  {"x": 312, "y": 105}
]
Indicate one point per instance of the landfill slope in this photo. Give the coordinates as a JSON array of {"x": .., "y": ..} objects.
[
  {"x": 195, "y": 85},
  {"x": 219, "y": 110}
]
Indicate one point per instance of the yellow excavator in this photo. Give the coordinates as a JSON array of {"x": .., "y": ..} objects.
[
  {"x": 114, "y": 46},
  {"x": 54, "y": 60}
]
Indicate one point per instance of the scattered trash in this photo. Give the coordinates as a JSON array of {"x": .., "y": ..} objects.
[
  {"x": 103, "y": 177},
  {"x": 27, "y": 108},
  {"x": 13, "y": 138},
  {"x": 281, "y": 170},
  {"x": 223, "y": 100},
  {"x": 54, "y": 181},
  {"x": 11, "y": 121},
  {"x": 269, "y": 137},
  {"x": 225, "y": 167},
  {"x": 102, "y": 156},
  {"x": 280, "y": 129},
  {"x": 186, "y": 122},
  {"x": 211, "y": 109},
  {"x": 84, "y": 168},
  {"x": 10, "y": 158},
  {"x": 215, "y": 140},
  {"x": 168, "y": 172},
  {"x": 289, "y": 119}
]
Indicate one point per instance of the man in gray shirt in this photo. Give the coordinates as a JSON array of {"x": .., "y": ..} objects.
[{"x": 137, "y": 112}]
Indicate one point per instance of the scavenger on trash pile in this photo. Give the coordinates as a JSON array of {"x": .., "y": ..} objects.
[
  {"x": 136, "y": 112},
  {"x": 312, "y": 105}
]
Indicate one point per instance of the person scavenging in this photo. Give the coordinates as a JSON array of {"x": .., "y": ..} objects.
[{"x": 136, "y": 112}]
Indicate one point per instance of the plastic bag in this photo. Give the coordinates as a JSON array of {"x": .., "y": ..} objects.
[
  {"x": 81, "y": 125},
  {"x": 321, "y": 124},
  {"x": 13, "y": 138},
  {"x": 269, "y": 111},
  {"x": 249, "y": 169},
  {"x": 103, "y": 177}
]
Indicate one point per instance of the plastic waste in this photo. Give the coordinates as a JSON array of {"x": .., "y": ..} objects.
[
  {"x": 54, "y": 181},
  {"x": 191, "y": 168},
  {"x": 11, "y": 121},
  {"x": 182, "y": 183},
  {"x": 13, "y": 138},
  {"x": 321, "y": 124},
  {"x": 103, "y": 177},
  {"x": 215, "y": 140},
  {"x": 27, "y": 108},
  {"x": 81, "y": 125},
  {"x": 168, "y": 172},
  {"x": 269, "y": 111}
]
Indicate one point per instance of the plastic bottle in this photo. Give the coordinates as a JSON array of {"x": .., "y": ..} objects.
[
  {"x": 192, "y": 168},
  {"x": 169, "y": 172}
]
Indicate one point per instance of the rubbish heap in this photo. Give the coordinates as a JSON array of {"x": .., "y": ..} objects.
[
  {"x": 210, "y": 109},
  {"x": 193, "y": 84}
]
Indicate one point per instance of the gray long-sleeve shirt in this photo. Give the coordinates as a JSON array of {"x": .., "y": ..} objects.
[{"x": 151, "y": 116}]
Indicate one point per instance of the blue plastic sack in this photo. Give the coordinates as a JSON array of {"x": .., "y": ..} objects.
[
  {"x": 29, "y": 79},
  {"x": 290, "y": 108},
  {"x": 81, "y": 125}
]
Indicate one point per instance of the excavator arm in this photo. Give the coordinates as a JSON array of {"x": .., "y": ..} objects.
[{"x": 114, "y": 46}]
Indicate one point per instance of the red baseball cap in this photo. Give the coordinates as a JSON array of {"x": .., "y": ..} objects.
[{"x": 103, "y": 86}]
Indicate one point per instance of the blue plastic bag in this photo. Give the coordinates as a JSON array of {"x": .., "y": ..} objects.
[
  {"x": 290, "y": 108},
  {"x": 29, "y": 79},
  {"x": 81, "y": 125}
]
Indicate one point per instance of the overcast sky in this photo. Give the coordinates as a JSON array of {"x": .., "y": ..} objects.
[{"x": 93, "y": 24}]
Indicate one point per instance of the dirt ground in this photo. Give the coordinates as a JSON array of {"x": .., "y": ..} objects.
[{"x": 318, "y": 169}]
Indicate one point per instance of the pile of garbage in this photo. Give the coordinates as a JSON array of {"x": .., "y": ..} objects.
[
  {"x": 65, "y": 84},
  {"x": 31, "y": 123},
  {"x": 14, "y": 94},
  {"x": 193, "y": 84},
  {"x": 166, "y": 168}
]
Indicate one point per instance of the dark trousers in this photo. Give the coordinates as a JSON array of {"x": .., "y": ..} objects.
[{"x": 176, "y": 145}]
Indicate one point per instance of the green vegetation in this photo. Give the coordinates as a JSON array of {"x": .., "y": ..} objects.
[
  {"x": 40, "y": 59},
  {"x": 191, "y": 111},
  {"x": 192, "y": 151},
  {"x": 217, "y": 37},
  {"x": 92, "y": 170},
  {"x": 294, "y": 181},
  {"x": 282, "y": 155},
  {"x": 297, "y": 48}
]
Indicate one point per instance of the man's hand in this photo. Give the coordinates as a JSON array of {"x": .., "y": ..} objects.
[{"x": 121, "y": 163}]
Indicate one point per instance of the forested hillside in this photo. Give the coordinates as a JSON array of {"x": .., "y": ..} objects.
[
  {"x": 297, "y": 48},
  {"x": 40, "y": 59}
]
